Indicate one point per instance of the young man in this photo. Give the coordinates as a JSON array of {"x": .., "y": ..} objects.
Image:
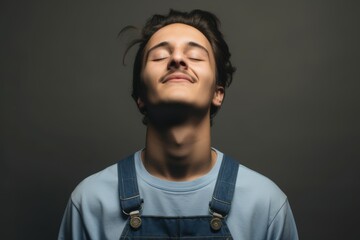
[{"x": 178, "y": 186}]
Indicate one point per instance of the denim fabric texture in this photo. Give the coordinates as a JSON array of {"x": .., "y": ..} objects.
[
  {"x": 225, "y": 187},
  {"x": 128, "y": 188},
  {"x": 197, "y": 227}
]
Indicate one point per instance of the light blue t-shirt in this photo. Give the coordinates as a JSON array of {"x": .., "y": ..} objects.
[{"x": 260, "y": 210}]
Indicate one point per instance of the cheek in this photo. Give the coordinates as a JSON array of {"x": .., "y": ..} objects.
[
  {"x": 149, "y": 78},
  {"x": 207, "y": 74},
  {"x": 152, "y": 72},
  {"x": 146, "y": 75}
]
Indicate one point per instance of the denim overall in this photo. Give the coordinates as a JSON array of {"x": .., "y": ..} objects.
[{"x": 212, "y": 226}]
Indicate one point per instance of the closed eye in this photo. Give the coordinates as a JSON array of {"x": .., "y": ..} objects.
[
  {"x": 196, "y": 59},
  {"x": 159, "y": 54},
  {"x": 158, "y": 59}
]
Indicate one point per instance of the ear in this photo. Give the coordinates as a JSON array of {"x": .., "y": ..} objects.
[
  {"x": 218, "y": 96},
  {"x": 140, "y": 103}
]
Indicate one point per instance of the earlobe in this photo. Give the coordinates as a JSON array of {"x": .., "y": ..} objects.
[{"x": 218, "y": 96}]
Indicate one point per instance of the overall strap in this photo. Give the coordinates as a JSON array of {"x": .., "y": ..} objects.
[
  {"x": 128, "y": 188},
  {"x": 224, "y": 187}
]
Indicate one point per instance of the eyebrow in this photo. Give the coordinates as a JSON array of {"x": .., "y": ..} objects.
[{"x": 167, "y": 45}]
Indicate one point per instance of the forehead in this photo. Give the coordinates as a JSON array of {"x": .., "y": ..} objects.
[{"x": 178, "y": 34}]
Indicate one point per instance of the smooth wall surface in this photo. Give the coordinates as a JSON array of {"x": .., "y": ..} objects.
[{"x": 292, "y": 112}]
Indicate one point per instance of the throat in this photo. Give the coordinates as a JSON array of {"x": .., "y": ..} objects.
[
  {"x": 178, "y": 144},
  {"x": 181, "y": 143},
  {"x": 181, "y": 153}
]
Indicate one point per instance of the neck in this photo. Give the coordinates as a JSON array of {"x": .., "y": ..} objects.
[{"x": 179, "y": 153}]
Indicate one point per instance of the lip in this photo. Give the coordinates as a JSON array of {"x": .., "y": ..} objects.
[{"x": 177, "y": 77}]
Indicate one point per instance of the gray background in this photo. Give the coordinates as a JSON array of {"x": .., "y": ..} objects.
[{"x": 291, "y": 114}]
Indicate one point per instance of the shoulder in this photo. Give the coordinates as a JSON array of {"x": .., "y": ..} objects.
[
  {"x": 258, "y": 194},
  {"x": 260, "y": 209},
  {"x": 96, "y": 187},
  {"x": 258, "y": 184},
  {"x": 94, "y": 208},
  {"x": 256, "y": 190}
]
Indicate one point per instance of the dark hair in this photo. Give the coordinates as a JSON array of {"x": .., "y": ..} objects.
[{"x": 207, "y": 23}]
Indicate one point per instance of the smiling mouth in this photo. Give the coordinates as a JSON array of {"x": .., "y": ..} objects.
[{"x": 178, "y": 77}]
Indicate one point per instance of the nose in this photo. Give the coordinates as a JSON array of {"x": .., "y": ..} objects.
[{"x": 177, "y": 61}]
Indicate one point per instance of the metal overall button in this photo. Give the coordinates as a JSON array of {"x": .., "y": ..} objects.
[
  {"x": 216, "y": 222},
  {"x": 135, "y": 219}
]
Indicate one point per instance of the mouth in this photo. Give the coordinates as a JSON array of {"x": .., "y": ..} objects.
[{"x": 178, "y": 77}]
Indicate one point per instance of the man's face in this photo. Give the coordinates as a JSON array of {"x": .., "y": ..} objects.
[{"x": 179, "y": 67}]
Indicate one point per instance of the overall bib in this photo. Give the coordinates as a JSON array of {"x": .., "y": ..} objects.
[{"x": 212, "y": 226}]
